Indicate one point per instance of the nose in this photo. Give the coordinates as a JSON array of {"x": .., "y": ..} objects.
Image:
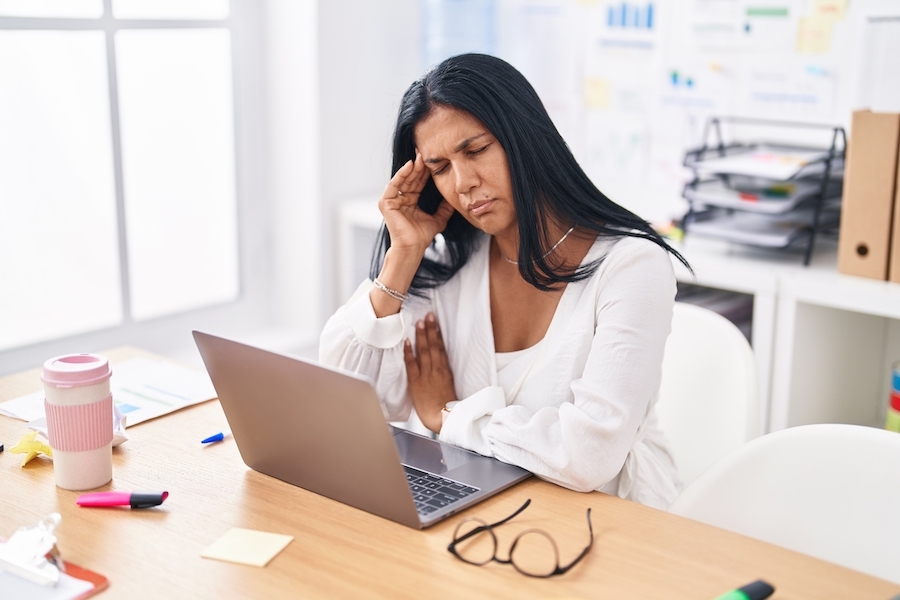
[{"x": 466, "y": 178}]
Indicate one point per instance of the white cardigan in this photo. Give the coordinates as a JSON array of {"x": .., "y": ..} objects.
[{"x": 583, "y": 417}]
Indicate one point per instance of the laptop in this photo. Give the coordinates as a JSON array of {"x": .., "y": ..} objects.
[{"x": 322, "y": 429}]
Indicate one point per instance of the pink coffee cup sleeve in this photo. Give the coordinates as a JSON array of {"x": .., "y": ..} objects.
[{"x": 80, "y": 427}]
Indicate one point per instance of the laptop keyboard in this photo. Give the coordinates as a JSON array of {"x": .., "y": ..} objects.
[{"x": 431, "y": 492}]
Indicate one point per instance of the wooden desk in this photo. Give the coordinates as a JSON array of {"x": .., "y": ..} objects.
[{"x": 341, "y": 552}]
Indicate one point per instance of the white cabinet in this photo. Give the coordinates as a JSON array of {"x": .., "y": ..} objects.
[{"x": 824, "y": 342}]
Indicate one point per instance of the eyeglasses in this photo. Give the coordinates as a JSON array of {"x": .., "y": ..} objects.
[{"x": 530, "y": 554}]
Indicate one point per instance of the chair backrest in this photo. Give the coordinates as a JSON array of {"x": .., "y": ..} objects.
[
  {"x": 830, "y": 491},
  {"x": 708, "y": 399}
]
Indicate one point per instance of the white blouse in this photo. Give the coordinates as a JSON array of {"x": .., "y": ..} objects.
[{"x": 577, "y": 408}]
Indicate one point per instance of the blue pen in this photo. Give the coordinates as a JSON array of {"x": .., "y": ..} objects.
[{"x": 218, "y": 437}]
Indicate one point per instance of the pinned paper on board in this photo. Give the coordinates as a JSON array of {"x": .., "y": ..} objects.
[
  {"x": 879, "y": 63},
  {"x": 247, "y": 546},
  {"x": 537, "y": 39},
  {"x": 789, "y": 90},
  {"x": 835, "y": 10}
]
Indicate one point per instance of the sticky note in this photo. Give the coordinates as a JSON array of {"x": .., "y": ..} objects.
[
  {"x": 814, "y": 35},
  {"x": 247, "y": 546},
  {"x": 596, "y": 93}
]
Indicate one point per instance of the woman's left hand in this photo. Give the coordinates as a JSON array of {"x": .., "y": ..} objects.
[{"x": 428, "y": 373}]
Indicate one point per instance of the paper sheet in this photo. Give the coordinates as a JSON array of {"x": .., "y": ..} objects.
[
  {"x": 247, "y": 546},
  {"x": 142, "y": 389},
  {"x": 879, "y": 67}
]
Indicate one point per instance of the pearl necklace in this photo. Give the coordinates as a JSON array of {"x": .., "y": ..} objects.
[{"x": 548, "y": 252}]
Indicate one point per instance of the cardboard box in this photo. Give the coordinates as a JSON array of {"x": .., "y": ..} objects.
[{"x": 870, "y": 189}]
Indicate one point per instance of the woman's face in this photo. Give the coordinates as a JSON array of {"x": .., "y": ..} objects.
[{"x": 469, "y": 167}]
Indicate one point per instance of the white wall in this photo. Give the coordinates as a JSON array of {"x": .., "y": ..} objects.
[
  {"x": 292, "y": 127},
  {"x": 368, "y": 54}
]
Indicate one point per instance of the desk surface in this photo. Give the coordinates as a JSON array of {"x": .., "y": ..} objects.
[{"x": 339, "y": 551}]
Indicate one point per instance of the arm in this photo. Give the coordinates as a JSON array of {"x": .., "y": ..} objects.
[
  {"x": 411, "y": 230},
  {"x": 366, "y": 334},
  {"x": 582, "y": 442},
  {"x": 355, "y": 339}
]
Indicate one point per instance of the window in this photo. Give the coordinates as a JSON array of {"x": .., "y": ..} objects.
[{"x": 125, "y": 212}]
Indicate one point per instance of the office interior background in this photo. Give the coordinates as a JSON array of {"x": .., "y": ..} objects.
[{"x": 179, "y": 165}]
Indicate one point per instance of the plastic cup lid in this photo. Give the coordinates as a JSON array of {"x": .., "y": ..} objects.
[{"x": 74, "y": 370}]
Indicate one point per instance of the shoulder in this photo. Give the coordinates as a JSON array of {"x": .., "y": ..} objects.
[{"x": 633, "y": 255}]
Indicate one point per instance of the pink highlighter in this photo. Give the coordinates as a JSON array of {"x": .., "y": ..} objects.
[{"x": 132, "y": 499}]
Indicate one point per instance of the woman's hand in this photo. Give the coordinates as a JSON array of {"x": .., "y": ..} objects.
[
  {"x": 428, "y": 373},
  {"x": 411, "y": 228}
]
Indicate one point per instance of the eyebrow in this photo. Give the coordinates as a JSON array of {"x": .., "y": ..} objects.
[{"x": 460, "y": 146}]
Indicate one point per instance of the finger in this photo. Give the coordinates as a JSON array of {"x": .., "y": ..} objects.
[
  {"x": 435, "y": 342},
  {"x": 416, "y": 179},
  {"x": 422, "y": 348},
  {"x": 412, "y": 367},
  {"x": 424, "y": 173},
  {"x": 395, "y": 185}
]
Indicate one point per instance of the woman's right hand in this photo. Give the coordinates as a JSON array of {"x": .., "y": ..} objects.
[{"x": 411, "y": 229}]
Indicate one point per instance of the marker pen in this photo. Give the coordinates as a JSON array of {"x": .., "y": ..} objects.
[
  {"x": 132, "y": 499},
  {"x": 758, "y": 590}
]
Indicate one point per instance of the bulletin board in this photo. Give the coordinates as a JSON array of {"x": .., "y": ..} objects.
[{"x": 631, "y": 84}]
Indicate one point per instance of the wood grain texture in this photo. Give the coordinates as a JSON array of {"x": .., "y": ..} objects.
[{"x": 341, "y": 552}]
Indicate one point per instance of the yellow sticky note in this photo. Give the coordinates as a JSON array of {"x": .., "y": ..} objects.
[
  {"x": 247, "y": 546},
  {"x": 596, "y": 93},
  {"x": 814, "y": 35}
]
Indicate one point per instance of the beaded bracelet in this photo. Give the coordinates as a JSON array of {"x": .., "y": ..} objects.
[{"x": 392, "y": 293}]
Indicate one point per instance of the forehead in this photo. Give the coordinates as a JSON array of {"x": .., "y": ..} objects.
[{"x": 444, "y": 129}]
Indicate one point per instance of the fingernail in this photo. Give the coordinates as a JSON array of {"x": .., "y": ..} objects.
[
  {"x": 430, "y": 317},
  {"x": 421, "y": 324}
]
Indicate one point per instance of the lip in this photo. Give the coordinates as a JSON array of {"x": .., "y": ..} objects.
[{"x": 480, "y": 207}]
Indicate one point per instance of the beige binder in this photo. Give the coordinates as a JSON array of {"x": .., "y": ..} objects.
[
  {"x": 869, "y": 190},
  {"x": 894, "y": 259}
]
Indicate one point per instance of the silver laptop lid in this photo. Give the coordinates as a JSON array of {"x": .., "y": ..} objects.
[{"x": 309, "y": 425}]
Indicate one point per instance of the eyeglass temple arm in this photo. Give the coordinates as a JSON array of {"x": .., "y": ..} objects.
[{"x": 587, "y": 549}]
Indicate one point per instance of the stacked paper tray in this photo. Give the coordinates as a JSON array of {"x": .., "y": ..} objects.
[
  {"x": 753, "y": 228},
  {"x": 772, "y": 199},
  {"x": 765, "y": 161}
]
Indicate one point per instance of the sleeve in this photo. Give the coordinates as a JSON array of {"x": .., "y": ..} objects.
[
  {"x": 582, "y": 443},
  {"x": 356, "y": 340}
]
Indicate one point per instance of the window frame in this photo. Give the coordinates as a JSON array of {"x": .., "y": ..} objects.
[{"x": 252, "y": 310}]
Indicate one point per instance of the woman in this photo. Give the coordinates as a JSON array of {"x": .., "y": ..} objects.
[{"x": 532, "y": 328}]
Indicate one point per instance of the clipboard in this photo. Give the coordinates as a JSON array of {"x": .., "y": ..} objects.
[
  {"x": 31, "y": 568},
  {"x": 77, "y": 583}
]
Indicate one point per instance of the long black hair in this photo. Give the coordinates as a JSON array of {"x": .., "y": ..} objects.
[{"x": 548, "y": 185}]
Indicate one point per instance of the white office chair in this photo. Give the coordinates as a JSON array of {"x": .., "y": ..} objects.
[
  {"x": 708, "y": 399},
  {"x": 830, "y": 491}
]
